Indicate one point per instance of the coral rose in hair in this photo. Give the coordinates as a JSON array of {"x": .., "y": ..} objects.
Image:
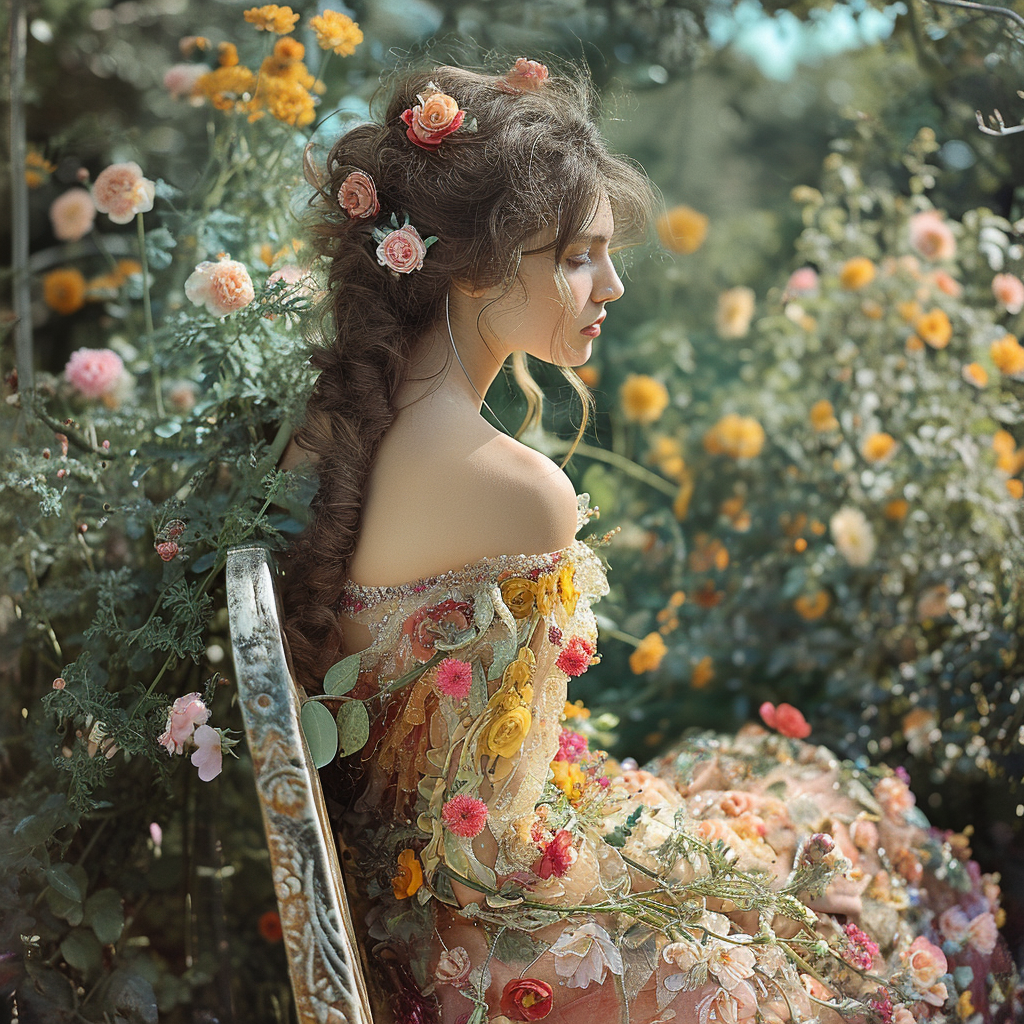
[
  {"x": 432, "y": 120},
  {"x": 358, "y": 196},
  {"x": 785, "y": 719},
  {"x": 72, "y": 214},
  {"x": 524, "y": 76},
  {"x": 121, "y": 192},
  {"x": 401, "y": 250},
  {"x": 222, "y": 287}
]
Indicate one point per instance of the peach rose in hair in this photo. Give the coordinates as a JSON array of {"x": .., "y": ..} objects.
[
  {"x": 432, "y": 120},
  {"x": 402, "y": 250},
  {"x": 358, "y": 196},
  {"x": 525, "y": 76}
]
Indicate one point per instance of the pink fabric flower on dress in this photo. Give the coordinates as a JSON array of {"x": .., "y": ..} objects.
[
  {"x": 208, "y": 757},
  {"x": 432, "y": 120},
  {"x": 926, "y": 963},
  {"x": 454, "y": 678},
  {"x": 120, "y": 191},
  {"x": 785, "y": 719},
  {"x": 931, "y": 236},
  {"x": 223, "y": 287},
  {"x": 402, "y": 250},
  {"x": 559, "y": 855},
  {"x": 1009, "y": 292},
  {"x": 94, "y": 372},
  {"x": 425, "y": 625},
  {"x": 983, "y": 933},
  {"x": 524, "y": 76},
  {"x": 358, "y": 196},
  {"x": 182, "y": 718},
  {"x": 860, "y": 949},
  {"x": 571, "y": 746},
  {"x": 72, "y": 214},
  {"x": 465, "y": 815},
  {"x": 453, "y": 967},
  {"x": 574, "y": 658}
]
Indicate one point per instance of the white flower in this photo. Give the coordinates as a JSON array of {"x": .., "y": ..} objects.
[
  {"x": 853, "y": 536},
  {"x": 731, "y": 964},
  {"x": 584, "y": 954}
]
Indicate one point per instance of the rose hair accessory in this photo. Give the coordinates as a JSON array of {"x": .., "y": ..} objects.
[
  {"x": 358, "y": 196},
  {"x": 525, "y": 76},
  {"x": 433, "y": 119},
  {"x": 402, "y": 249}
]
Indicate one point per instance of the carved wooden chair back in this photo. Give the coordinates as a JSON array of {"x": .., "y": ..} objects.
[{"x": 320, "y": 940}]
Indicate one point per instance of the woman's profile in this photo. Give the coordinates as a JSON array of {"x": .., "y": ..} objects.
[{"x": 512, "y": 872}]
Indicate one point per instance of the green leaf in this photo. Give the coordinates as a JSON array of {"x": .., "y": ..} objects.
[
  {"x": 353, "y": 727},
  {"x": 71, "y": 910},
  {"x": 130, "y": 998},
  {"x": 320, "y": 731},
  {"x": 167, "y": 429},
  {"x": 82, "y": 950},
  {"x": 105, "y": 915},
  {"x": 342, "y": 677},
  {"x": 60, "y": 878}
]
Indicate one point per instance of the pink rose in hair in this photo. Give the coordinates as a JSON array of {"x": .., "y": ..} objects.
[
  {"x": 931, "y": 236},
  {"x": 121, "y": 192},
  {"x": 94, "y": 372},
  {"x": 402, "y": 250},
  {"x": 432, "y": 120},
  {"x": 524, "y": 76},
  {"x": 222, "y": 287},
  {"x": 208, "y": 758},
  {"x": 1009, "y": 292},
  {"x": 358, "y": 196},
  {"x": 72, "y": 214},
  {"x": 182, "y": 718}
]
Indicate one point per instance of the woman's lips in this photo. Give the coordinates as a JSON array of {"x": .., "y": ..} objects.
[{"x": 594, "y": 329}]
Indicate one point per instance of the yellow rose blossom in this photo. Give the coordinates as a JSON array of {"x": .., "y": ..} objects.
[
  {"x": 272, "y": 18},
  {"x": 812, "y": 606},
  {"x": 857, "y": 273},
  {"x": 510, "y": 701},
  {"x": 823, "y": 416},
  {"x": 897, "y": 509},
  {"x": 1008, "y": 355},
  {"x": 526, "y": 693},
  {"x": 878, "y": 447},
  {"x": 409, "y": 877},
  {"x": 976, "y": 374},
  {"x": 643, "y": 398},
  {"x": 567, "y": 592},
  {"x": 740, "y": 437},
  {"x": 648, "y": 654},
  {"x": 1016, "y": 488},
  {"x": 682, "y": 229},
  {"x": 569, "y": 778},
  {"x": 227, "y": 55},
  {"x": 964, "y": 1005},
  {"x": 64, "y": 290},
  {"x": 506, "y": 733},
  {"x": 934, "y": 328},
  {"x": 519, "y": 595},
  {"x": 546, "y": 593},
  {"x": 336, "y": 31},
  {"x": 520, "y": 671},
  {"x": 703, "y": 673}
]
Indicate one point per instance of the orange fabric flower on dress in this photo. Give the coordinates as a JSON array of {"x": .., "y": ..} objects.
[{"x": 409, "y": 876}]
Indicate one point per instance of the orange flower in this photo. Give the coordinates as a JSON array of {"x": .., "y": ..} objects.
[
  {"x": 878, "y": 447},
  {"x": 934, "y": 328},
  {"x": 648, "y": 654},
  {"x": 857, "y": 273},
  {"x": 947, "y": 284},
  {"x": 64, "y": 290},
  {"x": 409, "y": 876},
  {"x": 643, "y": 398},
  {"x": 741, "y": 437},
  {"x": 897, "y": 509},
  {"x": 272, "y": 18},
  {"x": 1016, "y": 488},
  {"x": 1003, "y": 442},
  {"x": 1008, "y": 355},
  {"x": 269, "y": 926},
  {"x": 976, "y": 374},
  {"x": 823, "y": 416},
  {"x": 337, "y": 32},
  {"x": 812, "y": 606},
  {"x": 289, "y": 49},
  {"x": 703, "y": 673},
  {"x": 227, "y": 55},
  {"x": 682, "y": 229},
  {"x": 590, "y": 375},
  {"x": 915, "y": 344}
]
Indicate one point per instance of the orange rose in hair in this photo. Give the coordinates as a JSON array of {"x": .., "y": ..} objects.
[{"x": 432, "y": 120}]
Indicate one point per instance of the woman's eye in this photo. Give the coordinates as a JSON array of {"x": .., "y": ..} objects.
[{"x": 579, "y": 260}]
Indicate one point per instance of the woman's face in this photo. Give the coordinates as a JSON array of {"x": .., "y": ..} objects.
[{"x": 539, "y": 322}]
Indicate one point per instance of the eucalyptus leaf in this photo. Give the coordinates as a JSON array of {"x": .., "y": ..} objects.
[
  {"x": 353, "y": 727},
  {"x": 320, "y": 731},
  {"x": 82, "y": 950},
  {"x": 341, "y": 677},
  {"x": 105, "y": 915},
  {"x": 60, "y": 878}
]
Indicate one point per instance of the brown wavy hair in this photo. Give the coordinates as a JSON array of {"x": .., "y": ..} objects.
[{"x": 535, "y": 162}]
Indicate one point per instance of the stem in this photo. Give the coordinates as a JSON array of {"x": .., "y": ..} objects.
[
  {"x": 101, "y": 245},
  {"x": 148, "y": 309},
  {"x": 984, "y": 8},
  {"x": 620, "y": 462},
  {"x": 617, "y": 634}
]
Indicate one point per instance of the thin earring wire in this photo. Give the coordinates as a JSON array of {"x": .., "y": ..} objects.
[{"x": 451, "y": 338}]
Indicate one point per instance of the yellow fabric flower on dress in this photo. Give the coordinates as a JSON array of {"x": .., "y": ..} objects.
[
  {"x": 520, "y": 672},
  {"x": 547, "y": 593},
  {"x": 409, "y": 877},
  {"x": 682, "y": 229},
  {"x": 64, "y": 290},
  {"x": 1008, "y": 355},
  {"x": 878, "y": 447},
  {"x": 823, "y": 416},
  {"x": 519, "y": 595},
  {"x": 648, "y": 654},
  {"x": 569, "y": 778},
  {"x": 567, "y": 592},
  {"x": 643, "y": 398},
  {"x": 857, "y": 273},
  {"x": 506, "y": 733},
  {"x": 934, "y": 328},
  {"x": 336, "y": 31},
  {"x": 272, "y": 18}
]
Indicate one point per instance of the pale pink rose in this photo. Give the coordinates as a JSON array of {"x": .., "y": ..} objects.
[
  {"x": 181, "y": 397},
  {"x": 94, "y": 372},
  {"x": 735, "y": 802},
  {"x": 223, "y": 287},
  {"x": 982, "y": 933},
  {"x": 72, "y": 214},
  {"x": 182, "y": 718},
  {"x": 802, "y": 282},
  {"x": 180, "y": 79},
  {"x": 208, "y": 757},
  {"x": 121, "y": 192},
  {"x": 925, "y": 962},
  {"x": 1009, "y": 292},
  {"x": 953, "y": 923},
  {"x": 729, "y": 1006},
  {"x": 931, "y": 236},
  {"x": 525, "y": 76},
  {"x": 402, "y": 250},
  {"x": 947, "y": 284},
  {"x": 894, "y": 795},
  {"x": 901, "y": 1015},
  {"x": 683, "y": 954},
  {"x": 453, "y": 968},
  {"x": 358, "y": 196}
]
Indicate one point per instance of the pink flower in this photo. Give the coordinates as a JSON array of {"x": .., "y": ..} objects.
[
  {"x": 947, "y": 284},
  {"x": 881, "y": 1003},
  {"x": 59, "y": 683},
  {"x": 738, "y": 1004},
  {"x": 525, "y": 76},
  {"x": 931, "y": 236},
  {"x": 735, "y": 802},
  {"x": 982, "y": 933},
  {"x": 864, "y": 834},
  {"x": 894, "y": 795},
  {"x": 94, "y": 372},
  {"x": 180, "y": 79},
  {"x": 860, "y": 949},
  {"x": 559, "y": 855},
  {"x": 820, "y": 848},
  {"x": 156, "y": 833},
  {"x": 455, "y": 678},
  {"x": 925, "y": 962},
  {"x": 802, "y": 282},
  {"x": 953, "y": 924},
  {"x": 167, "y": 550},
  {"x": 465, "y": 815},
  {"x": 208, "y": 757},
  {"x": 570, "y": 746},
  {"x": 575, "y": 657},
  {"x": 72, "y": 214},
  {"x": 1009, "y": 292},
  {"x": 901, "y": 1015},
  {"x": 182, "y": 718},
  {"x": 121, "y": 192},
  {"x": 453, "y": 967},
  {"x": 402, "y": 250},
  {"x": 432, "y": 120},
  {"x": 358, "y": 196},
  {"x": 785, "y": 719},
  {"x": 222, "y": 287}
]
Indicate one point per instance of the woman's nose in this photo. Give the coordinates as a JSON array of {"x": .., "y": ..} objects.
[{"x": 609, "y": 286}]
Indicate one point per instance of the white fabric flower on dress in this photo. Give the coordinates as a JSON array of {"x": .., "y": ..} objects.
[{"x": 585, "y": 954}]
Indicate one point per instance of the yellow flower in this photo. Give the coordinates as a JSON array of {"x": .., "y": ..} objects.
[
  {"x": 909, "y": 310},
  {"x": 681, "y": 503},
  {"x": 812, "y": 606},
  {"x": 742, "y": 437},
  {"x": 227, "y": 55},
  {"x": 823, "y": 416},
  {"x": 567, "y": 591},
  {"x": 520, "y": 671},
  {"x": 976, "y": 374},
  {"x": 569, "y": 778},
  {"x": 964, "y": 1005},
  {"x": 648, "y": 654},
  {"x": 1016, "y": 488},
  {"x": 703, "y": 673},
  {"x": 878, "y": 447},
  {"x": 576, "y": 710},
  {"x": 64, "y": 290},
  {"x": 272, "y": 18},
  {"x": 337, "y": 32},
  {"x": 37, "y": 168},
  {"x": 519, "y": 596},
  {"x": 526, "y": 693},
  {"x": 682, "y": 229},
  {"x": 934, "y": 328},
  {"x": 735, "y": 311},
  {"x": 643, "y": 398},
  {"x": 505, "y": 735},
  {"x": 897, "y": 509},
  {"x": 409, "y": 876},
  {"x": 546, "y": 593},
  {"x": 1003, "y": 442},
  {"x": 289, "y": 49},
  {"x": 226, "y": 88},
  {"x": 857, "y": 273},
  {"x": 1008, "y": 355}
]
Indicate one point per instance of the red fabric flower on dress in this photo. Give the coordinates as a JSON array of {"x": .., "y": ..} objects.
[
  {"x": 425, "y": 625},
  {"x": 559, "y": 855},
  {"x": 465, "y": 815},
  {"x": 432, "y": 120},
  {"x": 526, "y": 999},
  {"x": 785, "y": 719},
  {"x": 455, "y": 678},
  {"x": 575, "y": 657}
]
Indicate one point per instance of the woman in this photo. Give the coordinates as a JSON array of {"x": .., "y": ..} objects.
[{"x": 512, "y": 872}]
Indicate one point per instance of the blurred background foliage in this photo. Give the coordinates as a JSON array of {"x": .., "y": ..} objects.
[{"x": 866, "y": 109}]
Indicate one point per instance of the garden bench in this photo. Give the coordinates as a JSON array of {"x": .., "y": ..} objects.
[{"x": 327, "y": 973}]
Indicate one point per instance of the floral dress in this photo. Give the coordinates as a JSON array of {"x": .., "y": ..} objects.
[{"x": 508, "y": 870}]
